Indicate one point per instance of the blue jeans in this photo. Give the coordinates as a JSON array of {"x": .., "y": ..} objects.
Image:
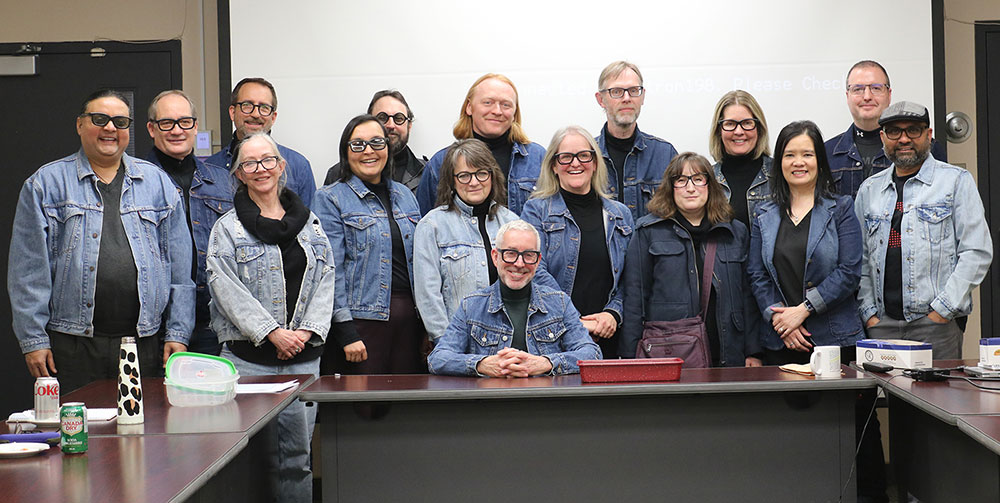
[{"x": 290, "y": 472}]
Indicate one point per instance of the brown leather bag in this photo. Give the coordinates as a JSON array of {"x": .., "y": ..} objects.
[{"x": 687, "y": 338}]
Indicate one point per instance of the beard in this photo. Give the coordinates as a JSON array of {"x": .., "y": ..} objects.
[{"x": 910, "y": 160}]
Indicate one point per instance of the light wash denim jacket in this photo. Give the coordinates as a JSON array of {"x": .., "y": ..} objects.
[
  {"x": 946, "y": 245},
  {"x": 644, "y": 167},
  {"x": 561, "y": 242},
  {"x": 525, "y": 164},
  {"x": 759, "y": 190},
  {"x": 52, "y": 268},
  {"x": 247, "y": 281},
  {"x": 358, "y": 228},
  {"x": 481, "y": 328},
  {"x": 450, "y": 261},
  {"x": 833, "y": 267}
]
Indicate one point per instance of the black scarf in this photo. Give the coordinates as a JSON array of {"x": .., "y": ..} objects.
[{"x": 269, "y": 230}]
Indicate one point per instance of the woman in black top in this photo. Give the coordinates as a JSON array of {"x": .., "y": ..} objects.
[{"x": 739, "y": 144}]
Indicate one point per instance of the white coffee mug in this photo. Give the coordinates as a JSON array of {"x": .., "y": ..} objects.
[{"x": 825, "y": 362}]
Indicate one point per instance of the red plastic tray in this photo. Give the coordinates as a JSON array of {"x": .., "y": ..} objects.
[{"x": 638, "y": 370}]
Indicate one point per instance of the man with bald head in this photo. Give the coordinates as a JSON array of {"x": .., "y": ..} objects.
[
  {"x": 206, "y": 190},
  {"x": 99, "y": 251},
  {"x": 491, "y": 113}
]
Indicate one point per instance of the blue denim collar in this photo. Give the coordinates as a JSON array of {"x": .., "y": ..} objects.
[
  {"x": 83, "y": 169},
  {"x": 358, "y": 186},
  {"x": 495, "y": 302}
]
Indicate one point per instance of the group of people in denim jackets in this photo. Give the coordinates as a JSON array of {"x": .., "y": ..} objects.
[{"x": 612, "y": 233}]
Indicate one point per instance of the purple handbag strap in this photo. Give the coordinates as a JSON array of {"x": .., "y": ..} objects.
[{"x": 706, "y": 277}]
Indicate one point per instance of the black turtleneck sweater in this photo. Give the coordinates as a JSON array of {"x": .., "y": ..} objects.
[
  {"x": 699, "y": 238},
  {"x": 181, "y": 171},
  {"x": 740, "y": 171},
  {"x": 869, "y": 145},
  {"x": 618, "y": 149},
  {"x": 593, "y": 280},
  {"x": 400, "y": 269},
  {"x": 515, "y": 304},
  {"x": 502, "y": 149},
  {"x": 482, "y": 213}
]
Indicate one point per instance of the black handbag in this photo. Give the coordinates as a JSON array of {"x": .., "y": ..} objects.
[{"x": 687, "y": 338}]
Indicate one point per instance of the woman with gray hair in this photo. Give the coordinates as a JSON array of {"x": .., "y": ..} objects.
[
  {"x": 271, "y": 276},
  {"x": 452, "y": 243},
  {"x": 581, "y": 226}
]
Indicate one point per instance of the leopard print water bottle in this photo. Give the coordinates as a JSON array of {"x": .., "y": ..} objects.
[{"x": 129, "y": 386}]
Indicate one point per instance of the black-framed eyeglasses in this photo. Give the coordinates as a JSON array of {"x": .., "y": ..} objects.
[
  {"x": 528, "y": 256},
  {"x": 376, "y": 143},
  {"x": 101, "y": 120},
  {"x": 251, "y": 166},
  {"x": 584, "y": 156},
  {"x": 894, "y": 133},
  {"x": 466, "y": 176},
  {"x": 399, "y": 118},
  {"x": 698, "y": 179},
  {"x": 745, "y": 124},
  {"x": 859, "y": 89},
  {"x": 618, "y": 92},
  {"x": 248, "y": 107},
  {"x": 168, "y": 124}
]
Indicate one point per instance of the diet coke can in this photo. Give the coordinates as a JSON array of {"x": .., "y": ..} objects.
[{"x": 46, "y": 399}]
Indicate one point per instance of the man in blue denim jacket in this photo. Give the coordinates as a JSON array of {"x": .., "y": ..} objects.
[
  {"x": 857, "y": 153},
  {"x": 206, "y": 190},
  {"x": 253, "y": 108},
  {"x": 636, "y": 160},
  {"x": 514, "y": 328},
  {"x": 926, "y": 242},
  {"x": 491, "y": 113},
  {"x": 99, "y": 250}
]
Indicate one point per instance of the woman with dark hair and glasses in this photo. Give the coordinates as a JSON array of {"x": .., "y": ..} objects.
[
  {"x": 739, "y": 145},
  {"x": 805, "y": 287},
  {"x": 451, "y": 247},
  {"x": 370, "y": 220},
  {"x": 271, "y": 277},
  {"x": 581, "y": 227},
  {"x": 666, "y": 257}
]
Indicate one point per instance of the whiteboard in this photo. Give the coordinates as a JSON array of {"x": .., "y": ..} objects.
[{"x": 327, "y": 58}]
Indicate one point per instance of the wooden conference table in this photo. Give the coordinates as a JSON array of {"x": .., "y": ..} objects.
[
  {"x": 177, "y": 454},
  {"x": 736, "y": 434},
  {"x": 944, "y": 443}
]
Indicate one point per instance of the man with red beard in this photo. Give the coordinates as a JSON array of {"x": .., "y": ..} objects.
[
  {"x": 509, "y": 329},
  {"x": 253, "y": 108}
]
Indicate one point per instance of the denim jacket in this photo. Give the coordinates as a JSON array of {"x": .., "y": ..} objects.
[
  {"x": 247, "y": 281},
  {"x": 358, "y": 228},
  {"x": 450, "y": 261},
  {"x": 644, "y": 167},
  {"x": 946, "y": 245},
  {"x": 662, "y": 283},
  {"x": 845, "y": 162},
  {"x": 298, "y": 172},
  {"x": 760, "y": 188},
  {"x": 211, "y": 196},
  {"x": 833, "y": 268},
  {"x": 525, "y": 163},
  {"x": 561, "y": 242},
  {"x": 52, "y": 268},
  {"x": 481, "y": 328}
]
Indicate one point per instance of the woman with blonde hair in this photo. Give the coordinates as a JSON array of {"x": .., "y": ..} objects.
[
  {"x": 739, "y": 144},
  {"x": 581, "y": 225}
]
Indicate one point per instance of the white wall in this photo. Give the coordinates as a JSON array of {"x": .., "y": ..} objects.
[{"x": 327, "y": 58}]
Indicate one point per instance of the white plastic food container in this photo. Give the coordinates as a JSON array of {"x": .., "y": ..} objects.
[{"x": 195, "y": 379}]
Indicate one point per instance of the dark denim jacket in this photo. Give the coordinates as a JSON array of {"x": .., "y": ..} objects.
[
  {"x": 759, "y": 190},
  {"x": 481, "y": 328},
  {"x": 525, "y": 163},
  {"x": 560, "y": 238},
  {"x": 644, "y": 167},
  {"x": 833, "y": 270},
  {"x": 662, "y": 283}
]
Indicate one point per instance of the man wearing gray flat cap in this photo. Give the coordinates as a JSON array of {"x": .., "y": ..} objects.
[{"x": 926, "y": 242}]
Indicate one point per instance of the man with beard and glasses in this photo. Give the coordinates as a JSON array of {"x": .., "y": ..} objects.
[
  {"x": 926, "y": 242},
  {"x": 253, "y": 108},
  {"x": 514, "y": 327},
  {"x": 635, "y": 160},
  {"x": 390, "y": 108}
]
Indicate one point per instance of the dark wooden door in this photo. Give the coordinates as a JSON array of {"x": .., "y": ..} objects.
[{"x": 988, "y": 144}]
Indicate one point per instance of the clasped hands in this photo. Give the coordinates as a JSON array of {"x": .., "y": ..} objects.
[
  {"x": 510, "y": 362},
  {"x": 600, "y": 325},
  {"x": 289, "y": 342},
  {"x": 787, "y": 322}
]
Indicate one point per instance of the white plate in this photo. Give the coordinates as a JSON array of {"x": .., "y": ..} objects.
[{"x": 21, "y": 449}]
